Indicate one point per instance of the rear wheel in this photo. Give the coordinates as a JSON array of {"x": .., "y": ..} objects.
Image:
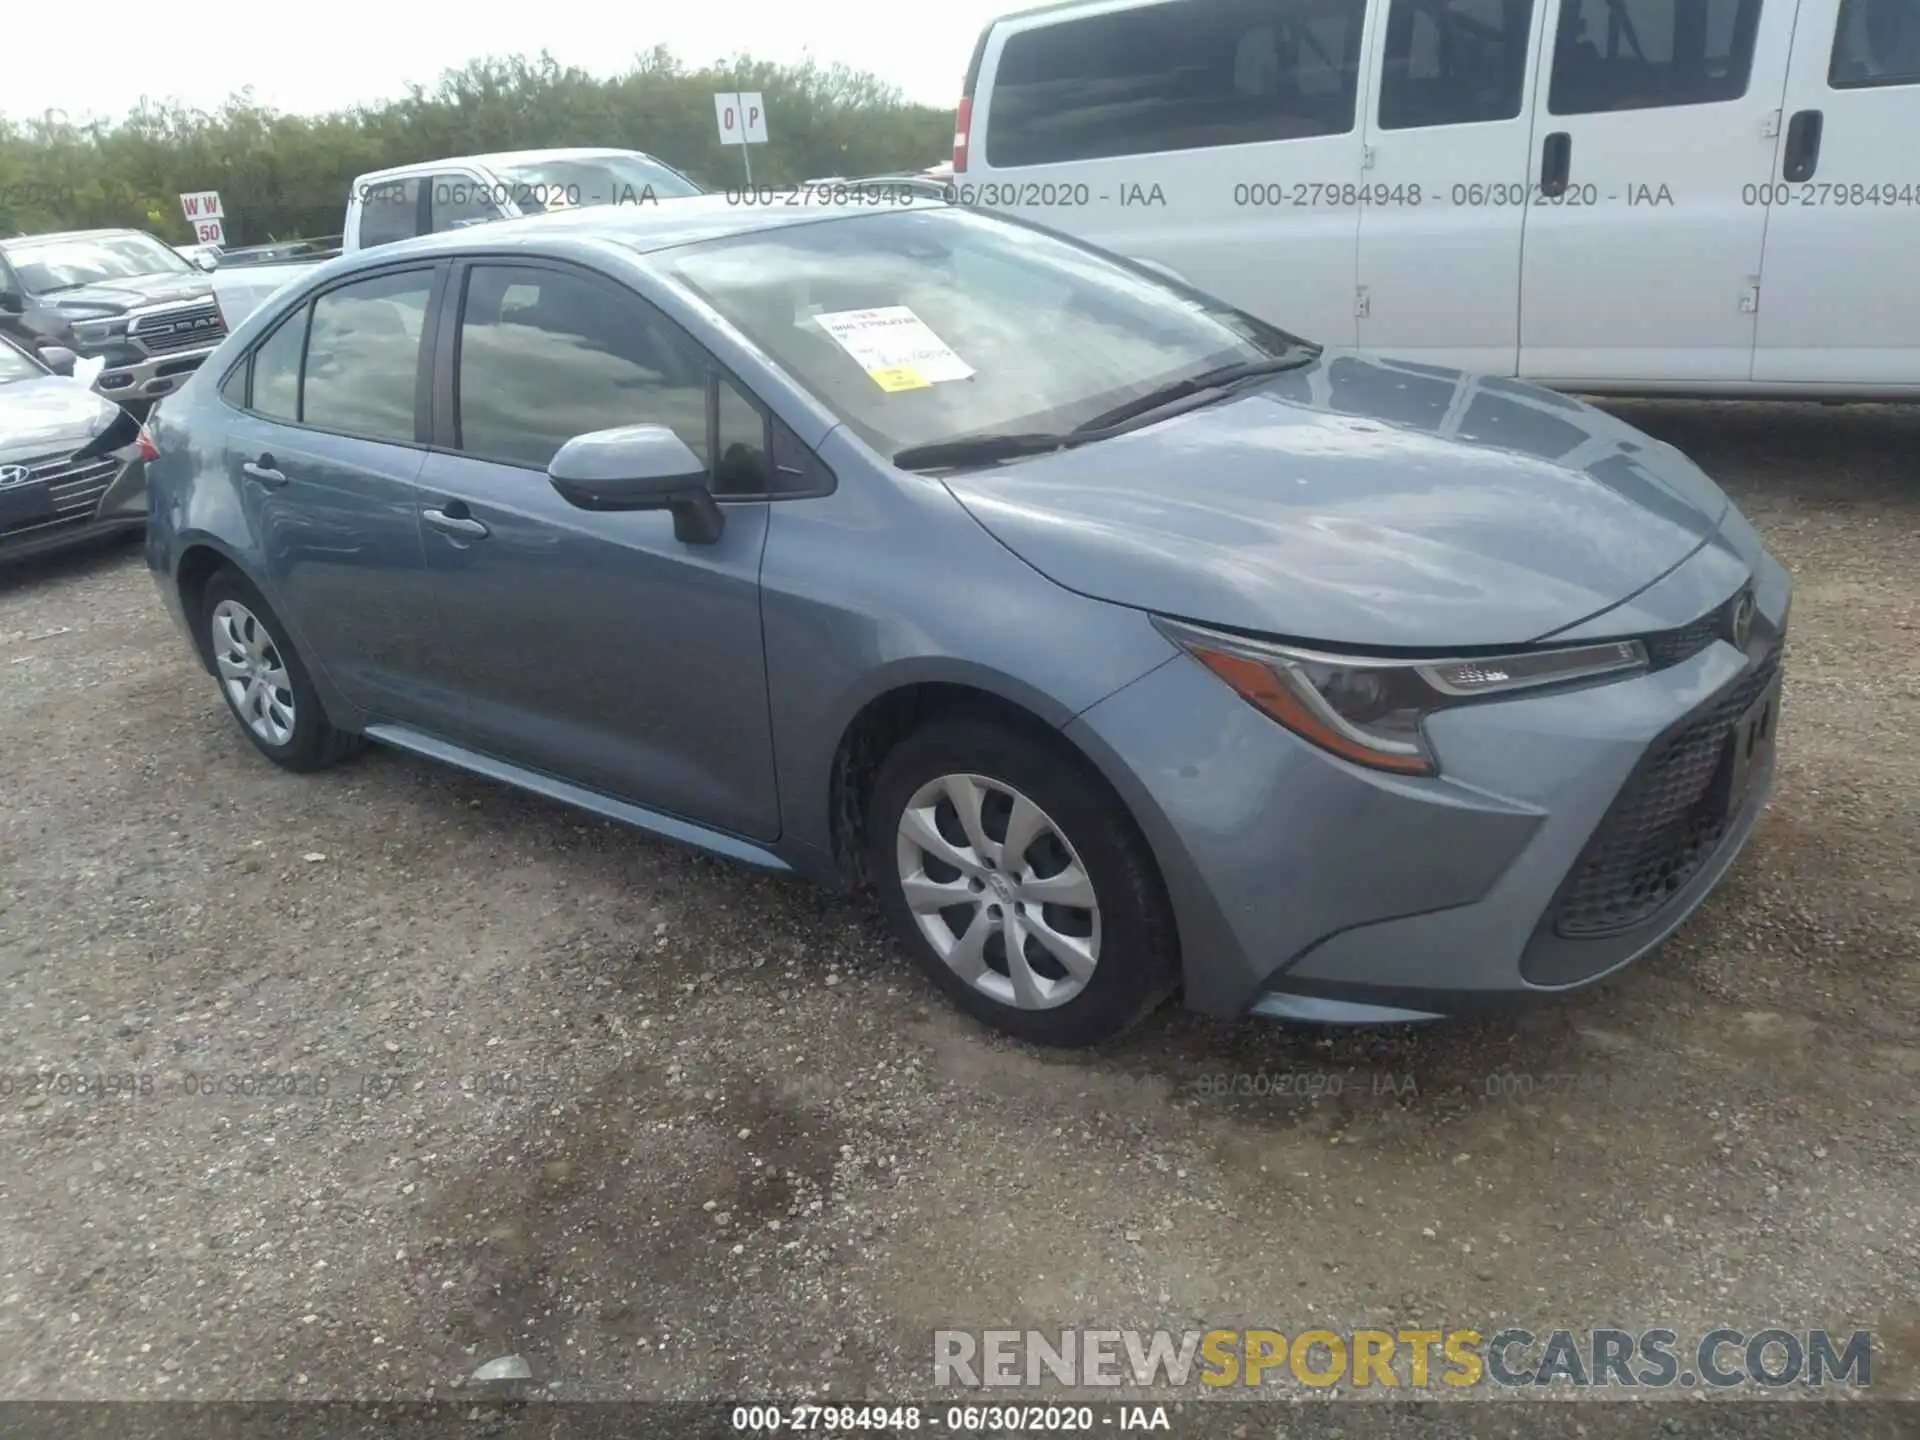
[
  {"x": 263, "y": 680},
  {"x": 1020, "y": 883}
]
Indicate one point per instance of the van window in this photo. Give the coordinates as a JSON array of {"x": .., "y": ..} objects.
[
  {"x": 1650, "y": 54},
  {"x": 1876, "y": 43},
  {"x": 389, "y": 211},
  {"x": 1453, "y": 62},
  {"x": 1188, "y": 75}
]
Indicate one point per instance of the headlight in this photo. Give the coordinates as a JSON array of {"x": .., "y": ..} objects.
[
  {"x": 93, "y": 332},
  {"x": 1370, "y": 710}
]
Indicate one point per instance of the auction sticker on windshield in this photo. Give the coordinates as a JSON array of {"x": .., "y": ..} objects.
[{"x": 895, "y": 347}]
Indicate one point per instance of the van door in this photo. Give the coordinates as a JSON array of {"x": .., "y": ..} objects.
[
  {"x": 1840, "y": 287},
  {"x": 1654, "y": 121},
  {"x": 1219, "y": 138},
  {"x": 1449, "y": 141}
]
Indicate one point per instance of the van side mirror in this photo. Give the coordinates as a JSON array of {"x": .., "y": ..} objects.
[
  {"x": 58, "y": 359},
  {"x": 12, "y": 301},
  {"x": 639, "y": 467}
]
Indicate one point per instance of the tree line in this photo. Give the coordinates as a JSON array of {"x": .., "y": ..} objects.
[{"x": 282, "y": 176}]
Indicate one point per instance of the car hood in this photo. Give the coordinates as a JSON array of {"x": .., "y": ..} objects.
[
  {"x": 50, "y": 416},
  {"x": 115, "y": 297},
  {"x": 1361, "y": 502}
]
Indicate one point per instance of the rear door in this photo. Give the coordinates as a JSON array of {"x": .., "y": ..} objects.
[
  {"x": 1654, "y": 121},
  {"x": 1840, "y": 288},
  {"x": 1449, "y": 136},
  {"x": 325, "y": 449},
  {"x": 1220, "y": 138},
  {"x": 596, "y": 646}
]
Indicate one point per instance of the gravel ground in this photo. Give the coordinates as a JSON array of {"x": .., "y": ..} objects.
[{"x": 668, "y": 1128}]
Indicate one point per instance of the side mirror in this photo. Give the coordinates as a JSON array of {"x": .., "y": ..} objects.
[
  {"x": 58, "y": 359},
  {"x": 639, "y": 467},
  {"x": 12, "y": 301},
  {"x": 206, "y": 261}
]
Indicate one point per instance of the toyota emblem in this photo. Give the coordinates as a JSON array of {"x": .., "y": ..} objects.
[
  {"x": 1742, "y": 619},
  {"x": 11, "y": 475}
]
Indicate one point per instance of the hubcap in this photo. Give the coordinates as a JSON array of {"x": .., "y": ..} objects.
[
  {"x": 999, "y": 892},
  {"x": 256, "y": 680}
]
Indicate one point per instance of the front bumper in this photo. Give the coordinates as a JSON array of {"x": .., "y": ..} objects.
[
  {"x": 151, "y": 378},
  {"x": 1309, "y": 888},
  {"x": 86, "y": 502}
]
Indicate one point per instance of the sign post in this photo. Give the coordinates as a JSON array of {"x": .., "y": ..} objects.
[
  {"x": 204, "y": 213},
  {"x": 743, "y": 121}
]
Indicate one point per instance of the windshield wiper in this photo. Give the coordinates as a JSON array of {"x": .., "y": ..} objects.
[
  {"x": 1216, "y": 379},
  {"x": 984, "y": 449}
]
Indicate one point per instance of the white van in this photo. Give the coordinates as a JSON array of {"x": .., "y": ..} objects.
[{"x": 1654, "y": 196}]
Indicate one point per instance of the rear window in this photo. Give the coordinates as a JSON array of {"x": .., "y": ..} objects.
[{"x": 1188, "y": 75}]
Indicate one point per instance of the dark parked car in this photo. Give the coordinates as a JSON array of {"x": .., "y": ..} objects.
[
  {"x": 72, "y": 464},
  {"x": 120, "y": 296},
  {"x": 1123, "y": 641}
]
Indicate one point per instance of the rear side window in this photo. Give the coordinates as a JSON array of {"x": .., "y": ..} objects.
[
  {"x": 1651, "y": 54},
  {"x": 1877, "y": 42},
  {"x": 389, "y": 211},
  {"x": 363, "y": 356},
  {"x": 276, "y": 370},
  {"x": 1453, "y": 62},
  {"x": 1188, "y": 75}
]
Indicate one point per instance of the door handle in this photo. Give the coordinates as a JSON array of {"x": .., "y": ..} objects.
[
  {"x": 263, "y": 471},
  {"x": 1556, "y": 164},
  {"x": 1802, "y": 155},
  {"x": 463, "y": 527}
]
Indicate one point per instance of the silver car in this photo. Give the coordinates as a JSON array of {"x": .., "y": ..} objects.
[
  {"x": 71, "y": 467},
  {"x": 1122, "y": 642}
]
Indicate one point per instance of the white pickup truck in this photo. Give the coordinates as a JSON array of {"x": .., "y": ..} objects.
[{"x": 434, "y": 195}]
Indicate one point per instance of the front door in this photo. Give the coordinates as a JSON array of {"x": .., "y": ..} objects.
[{"x": 591, "y": 646}]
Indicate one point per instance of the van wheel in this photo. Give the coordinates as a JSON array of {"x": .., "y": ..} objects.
[
  {"x": 1020, "y": 883},
  {"x": 263, "y": 680}
]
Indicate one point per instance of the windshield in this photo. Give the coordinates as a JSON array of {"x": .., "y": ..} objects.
[
  {"x": 69, "y": 261},
  {"x": 597, "y": 180},
  {"x": 15, "y": 366},
  {"x": 922, "y": 326}
]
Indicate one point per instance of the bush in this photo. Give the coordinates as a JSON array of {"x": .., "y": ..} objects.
[{"x": 281, "y": 176}]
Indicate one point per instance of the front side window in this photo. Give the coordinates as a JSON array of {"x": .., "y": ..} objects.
[
  {"x": 455, "y": 201},
  {"x": 1877, "y": 42},
  {"x": 917, "y": 327},
  {"x": 49, "y": 265},
  {"x": 546, "y": 355},
  {"x": 363, "y": 357},
  {"x": 389, "y": 211},
  {"x": 1651, "y": 54},
  {"x": 612, "y": 179},
  {"x": 1453, "y": 62},
  {"x": 1187, "y": 75}
]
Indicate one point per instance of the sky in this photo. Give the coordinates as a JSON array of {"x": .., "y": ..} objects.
[{"x": 307, "y": 57}]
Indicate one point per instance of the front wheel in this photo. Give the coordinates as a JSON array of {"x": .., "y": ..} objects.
[{"x": 1020, "y": 883}]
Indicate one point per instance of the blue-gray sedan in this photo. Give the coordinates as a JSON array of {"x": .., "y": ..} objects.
[{"x": 1121, "y": 641}]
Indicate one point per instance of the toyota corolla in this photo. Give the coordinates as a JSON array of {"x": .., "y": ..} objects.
[{"x": 1124, "y": 643}]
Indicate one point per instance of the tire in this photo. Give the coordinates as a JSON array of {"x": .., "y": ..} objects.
[
  {"x": 244, "y": 639},
  {"x": 1074, "y": 820}
]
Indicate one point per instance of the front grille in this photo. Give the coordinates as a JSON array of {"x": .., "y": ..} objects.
[
  {"x": 1665, "y": 824},
  {"x": 1670, "y": 647},
  {"x": 76, "y": 491},
  {"x": 191, "y": 327}
]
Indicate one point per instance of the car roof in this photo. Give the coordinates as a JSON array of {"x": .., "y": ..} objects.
[
  {"x": 642, "y": 228},
  {"x": 495, "y": 159},
  {"x": 38, "y": 236}
]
